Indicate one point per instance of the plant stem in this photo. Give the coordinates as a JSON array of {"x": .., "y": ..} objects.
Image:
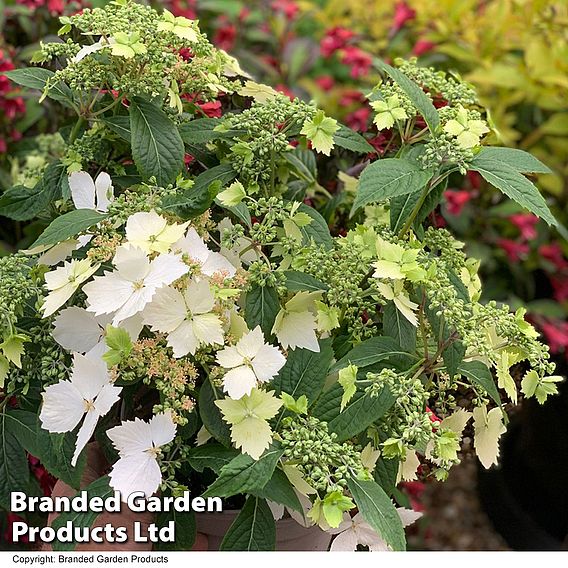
[{"x": 76, "y": 129}]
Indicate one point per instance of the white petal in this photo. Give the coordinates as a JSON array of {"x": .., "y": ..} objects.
[
  {"x": 82, "y": 189},
  {"x": 165, "y": 269},
  {"x": 229, "y": 358},
  {"x": 106, "y": 399},
  {"x": 138, "y": 300},
  {"x": 167, "y": 310},
  {"x": 138, "y": 472},
  {"x": 89, "y": 375},
  {"x": 88, "y": 49},
  {"x": 163, "y": 429},
  {"x": 133, "y": 325},
  {"x": 57, "y": 253},
  {"x": 104, "y": 190},
  {"x": 131, "y": 262},
  {"x": 239, "y": 381},
  {"x": 208, "y": 329},
  {"x": 276, "y": 509},
  {"x": 75, "y": 329},
  {"x": 408, "y": 516},
  {"x": 297, "y": 329},
  {"x": 250, "y": 343},
  {"x": 131, "y": 437},
  {"x": 183, "y": 340},
  {"x": 84, "y": 434},
  {"x": 217, "y": 263},
  {"x": 63, "y": 407},
  {"x": 344, "y": 542},
  {"x": 199, "y": 297},
  {"x": 108, "y": 293},
  {"x": 267, "y": 362},
  {"x": 193, "y": 245},
  {"x": 55, "y": 299},
  {"x": 140, "y": 227}
]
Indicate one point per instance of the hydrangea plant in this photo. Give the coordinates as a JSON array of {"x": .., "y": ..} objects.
[{"x": 188, "y": 307}]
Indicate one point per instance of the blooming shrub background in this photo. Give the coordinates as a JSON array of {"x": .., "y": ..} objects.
[{"x": 276, "y": 40}]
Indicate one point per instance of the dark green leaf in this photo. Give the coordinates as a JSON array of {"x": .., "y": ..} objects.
[
  {"x": 36, "y": 78},
  {"x": 386, "y": 474},
  {"x": 377, "y": 509},
  {"x": 253, "y": 529},
  {"x": 68, "y": 226},
  {"x": 480, "y": 375},
  {"x": 212, "y": 456},
  {"x": 398, "y": 327},
  {"x": 415, "y": 93},
  {"x": 119, "y": 125},
  {"x": 14, "y": 469},
  {"x": 185, "y": 529},
  {"x": 296, "y": 281},
  {"x": 98, "y": 488},
  {"x": 317, "y": 229},
  {"x": 386, "y": 178},
  {"x": 360, "y": 413},
  {"x": 351, "y": 140},
  {"x": 157, "y": 147},
  {"x": 519, "y": 160},
  {"x": 201, "y": 131},
  {"x": 261, "y": 307},
  {"x": 280, "y": 490},
  {"x": 211, "y": 415},
  {"x": 244, "y": 474}
]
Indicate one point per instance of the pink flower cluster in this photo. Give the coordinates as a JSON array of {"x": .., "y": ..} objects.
[{"x": 11, "y": 105}]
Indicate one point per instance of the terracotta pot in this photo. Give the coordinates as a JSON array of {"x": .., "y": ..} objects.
[{"x": 289, "y": 534}]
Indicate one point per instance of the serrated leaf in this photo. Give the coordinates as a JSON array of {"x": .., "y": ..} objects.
[
  {"x": 395, "y": 325},
  {"x": 261, "y": 307},
  {"x": 157, "y": 147},
  {"x": 480, "y": 375},
  {"x": 68, "y": 226},
  {"x": 14, "y": 469},
  {"x": 360, "y": 413},
  {"x": 519, "y": 160},
  {"x": 202, "y": 130},
  {"x": 317, "y": 230},
  {"x": 119, "y": 125},
  {"x": 296, "y": 281},
  {"x": 347, "y": 138},
  {"x": 211, "y": 415},
  {"x": 244, "y": 474},
  {"x": 386, "y": 473},
  {"x": 253, "y": 529},
  {"x": 515, "y": 186},
  {"x": 377, "y": 509},
  {"x": 212, "y": 456},
  {"x": 280, "y": 490},
  {"x": 386, "y": 178},
  {"x": 36, "y": 78},
  {"x": 416, "y": 95},
  {"x": 98, "y": 488}
]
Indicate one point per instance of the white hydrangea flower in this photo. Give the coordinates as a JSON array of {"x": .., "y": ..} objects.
[
  {"x": 355, "y": 531},
  {"x": 152, "y": 233},
  {"x": 64, "y": 281},
  {"x": 87, "y": 193},
  {"x": 78, "y": 330},
  {"x": 250, "y": 361},
  {"x": 126, "y": 291},
  {"x": 89, "y": 393},
  {"x": 211, "y": 262},
  {"x": 138, "y": 443},
  {"x": 186, "y": 317}
]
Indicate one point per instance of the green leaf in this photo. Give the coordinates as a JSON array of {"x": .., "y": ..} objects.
[
  {"x": 185, "y": 529},
  {"x": 360, "y": 413},
  {"x": 373, "y": 351},
  {"x": 201, "y": 131},
  {"x": 386, "y": 474},
  {"x": 119, "y": 125},
  {"x": 68, "y": 226},
  {"x": 280, "y": 490},
  {"x": 377, "y": 509},
  {"x": 513, "y": 185},
  {"x": 243, "y": 474},
  {"x": 198, "y": 198},
  {"x": 519, "y": 160},
  {"x": 398, "y": 327},
  {"x": 211, "y": 415},
  {"x": 304, "y": 372},
  {"x": 22, "y": 204},
  {"x": 261, "y": 307},
  {"x": 317, "y": 229},
  {"x": 119, "y": 343},
  {"x": 253, "y": 529},
  {"x": 416, "y": 95},
  {"x": 14, "y": 469},
  {"x": 212, "y": 456},
  {"x": 386, "y": 178},
  {"x": 296, "y": 281},
  {"x": 36, "y": 78},
  {"x": 480, "y": 375},
  {"x": 454, "y": 353},
  {"x": 157, "y": 147},
  {"x": 351, "y": 140},
  {"x": 98, "y": 488}
]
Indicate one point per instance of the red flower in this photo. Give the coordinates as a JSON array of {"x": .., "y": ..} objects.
[
  {"x": 351, "y": 97},
  {"x": 334, "y": 39},
  {"x": 474, "y": 179},
  {"x": 359, "y": 119},
  {"x": 212, "y": 109},
  {"x": 281, "y": 88},
  {"x": 185, "y": 8},
  {"x": 357, "y": 59},
  {"x": 402, "y": 13},
  {"x": 433, "y": 418},
  {"x": 325, "y": 82},
  {"x": 553, "y": 253},
  {"x": 456, "y": 200},
  {"x": 422, "y": 46},
  {"x": 526, "y": 223},
  {"x": 514, "y": 250},
  {"x": 287, "y": 7},
  {"x": 560, "y": 286},
  {"x": 8, "y": 535},
  {"x": 225, "y": 36},
  {"x": 556, "y": 334}
]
